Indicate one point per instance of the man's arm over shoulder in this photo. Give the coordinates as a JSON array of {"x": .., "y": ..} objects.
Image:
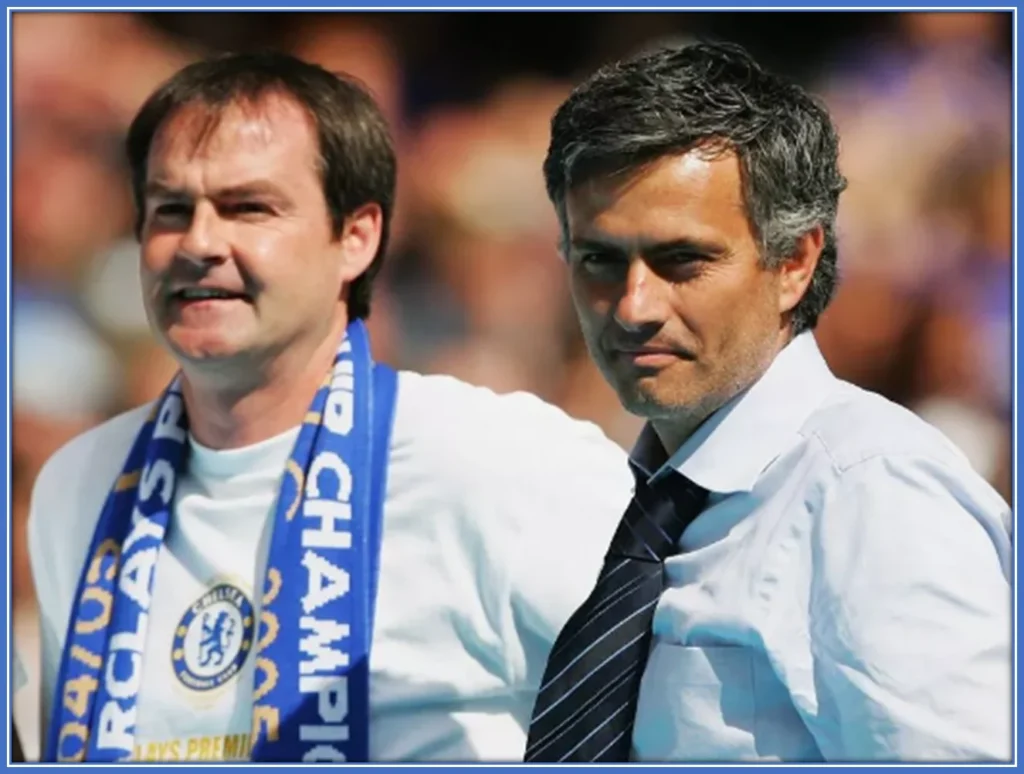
[
  {"x": 545, "y": 493},
  {"x": 910, "y": 613},
  {"x": 582, "y": 487}
]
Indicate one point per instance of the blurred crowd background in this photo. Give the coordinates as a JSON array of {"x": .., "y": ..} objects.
[{"x": 473, "y": 285}]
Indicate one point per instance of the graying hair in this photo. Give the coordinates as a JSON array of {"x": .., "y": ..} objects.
[{"x": 716, "y": 98}]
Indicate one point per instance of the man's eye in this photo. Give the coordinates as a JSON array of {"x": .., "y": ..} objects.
[
  {"x": 594, "y": 258},
  {"x": 681, "y": 257},
  {"x": 248, "y": 208},
  {"x": 173, "y": 210},
  {"x": 600, "y": 263}
]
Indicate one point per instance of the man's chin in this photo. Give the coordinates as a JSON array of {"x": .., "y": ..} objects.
[
  {"x": 198, "y": 350},
  {"x": 646, "y": 403}
]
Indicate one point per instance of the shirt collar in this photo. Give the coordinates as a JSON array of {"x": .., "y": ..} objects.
[{"x": 731, "y": 449}]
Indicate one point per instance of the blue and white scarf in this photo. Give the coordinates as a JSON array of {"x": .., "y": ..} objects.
[{"x": 311, "y": 683}]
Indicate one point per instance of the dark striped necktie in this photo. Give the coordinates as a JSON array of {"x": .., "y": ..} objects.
[{"x": 588, "y": 696}]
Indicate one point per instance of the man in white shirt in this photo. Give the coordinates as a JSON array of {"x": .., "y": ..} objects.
[
  {"x": 807, "y": 571},
  {"x": 211, "y": 568}
]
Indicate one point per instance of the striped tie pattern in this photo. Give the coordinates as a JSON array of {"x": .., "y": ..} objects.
[{"x": 587, "y": 701}]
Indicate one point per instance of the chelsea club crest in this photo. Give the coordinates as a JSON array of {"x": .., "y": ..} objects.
[{"x": 213, "y": 638}]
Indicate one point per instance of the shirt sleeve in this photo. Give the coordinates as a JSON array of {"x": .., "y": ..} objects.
[
  {"x": 44, "y": 571},
  {"x": 62, "y": 506},
  {"x": 49, "y": 665},
  {"x": 538, "y": 496},
  {"x": 574, "y": 485},
  {"x": 910, "y": 616}
]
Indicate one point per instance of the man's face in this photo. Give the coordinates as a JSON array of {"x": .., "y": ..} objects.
[
  {"x": 676, "y": 307},
  {"x": 238, "y": 255}
]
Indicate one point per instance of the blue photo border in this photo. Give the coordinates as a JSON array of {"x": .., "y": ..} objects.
[{"x": 462, "y": 5}]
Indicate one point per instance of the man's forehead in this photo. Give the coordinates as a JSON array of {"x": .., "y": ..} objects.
[
  {"x": 690, "y": 184},
  {"x": 692, "y": 198},
  {"x": 697, "y": 170},
  {"x": 199, "y": 128}
]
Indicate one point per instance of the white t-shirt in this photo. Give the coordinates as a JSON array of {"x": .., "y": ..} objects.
[{"x": 498, "y": 512}]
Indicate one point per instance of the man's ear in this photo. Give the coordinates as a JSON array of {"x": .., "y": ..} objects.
[
  {"x": 796, "y": 271},
  {"x": 359, "y": 240}
]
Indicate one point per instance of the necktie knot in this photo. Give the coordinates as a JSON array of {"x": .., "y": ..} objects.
[{"x": 659, "y": 513}]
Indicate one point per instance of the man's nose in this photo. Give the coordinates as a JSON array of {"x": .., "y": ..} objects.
[
  {"x": 205, "y": 240},
  {"x": 643, "y": 300}
]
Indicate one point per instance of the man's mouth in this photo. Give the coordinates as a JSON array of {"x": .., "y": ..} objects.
[
  {"x": 650, "y": 356},
  {"x": 207, "y": 294}
]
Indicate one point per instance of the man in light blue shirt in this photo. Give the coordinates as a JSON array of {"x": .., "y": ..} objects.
[{"x": 807, "y": 571}]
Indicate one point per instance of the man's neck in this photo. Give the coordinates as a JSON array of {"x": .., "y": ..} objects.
[
  {"x": 675, "y": 430},
  {"x": 230, "y": 416}
]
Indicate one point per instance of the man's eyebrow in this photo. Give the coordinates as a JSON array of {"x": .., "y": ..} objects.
[
  {"x": 157, "y": 189},
  {"x": 160, "y": 189},
  {"x": 250, "y": 188},
  {"x": 685, "y": 245},
  {"x": 590, "y": 243},
  {"x": 649, "y": 248}
]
